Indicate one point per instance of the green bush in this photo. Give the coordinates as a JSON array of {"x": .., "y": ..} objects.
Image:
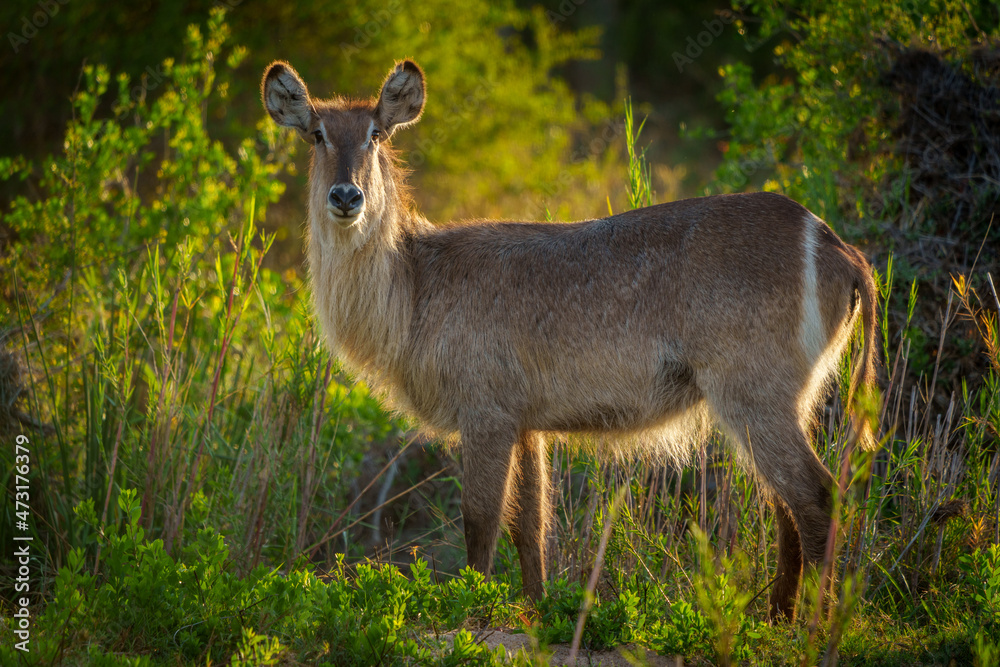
[
  {"x": 821, "y": 129},
  {"x": 163, "y": 353},
  {"x": 146, "y": 603},
  {"x": 874, "y": 115}
]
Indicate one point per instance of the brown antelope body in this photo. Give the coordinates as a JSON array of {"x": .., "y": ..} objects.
[{"x": 642, "y": 327}]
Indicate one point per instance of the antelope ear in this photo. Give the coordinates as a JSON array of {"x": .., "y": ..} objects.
[
  {"x": 286, "y": 98},
  {"x": 402, "y": 99}
]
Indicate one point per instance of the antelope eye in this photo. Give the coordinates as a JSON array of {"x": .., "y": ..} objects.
[
  {"x": 318, "y": 136},
  {"x": 376, "y": 135}
]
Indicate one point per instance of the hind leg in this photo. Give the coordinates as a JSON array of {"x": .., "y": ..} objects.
[
  {"x": 529, "y": 524},
  {"x": 786, "y": 586},
  {"x": 768, "y": 429},
  {"x": 801, "y": 484}
]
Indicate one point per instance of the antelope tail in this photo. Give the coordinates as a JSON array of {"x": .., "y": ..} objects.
[{"x": 863, "y": 386}]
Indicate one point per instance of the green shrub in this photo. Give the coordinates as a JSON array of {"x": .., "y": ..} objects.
[
  {"x": 198, "y": 606},
  {"x": 163, "y": 352}
]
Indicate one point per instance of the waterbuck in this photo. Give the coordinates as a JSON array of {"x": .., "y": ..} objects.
[{"x": 638, "y": 329}]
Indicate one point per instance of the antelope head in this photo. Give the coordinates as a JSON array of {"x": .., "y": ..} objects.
[{"x": 353, "y": 178}]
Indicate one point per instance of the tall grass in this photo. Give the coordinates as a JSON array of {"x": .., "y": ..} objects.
[{"x": 160, "y": 353}]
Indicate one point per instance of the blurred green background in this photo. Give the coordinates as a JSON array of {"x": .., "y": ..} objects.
[{"x": 519, "y": 94}]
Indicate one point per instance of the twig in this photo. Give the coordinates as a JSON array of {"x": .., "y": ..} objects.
[
  {"x": 996, "y": 300},
  {"x": 762, "y": 591},
  {"x": 329, "y": 534},
  {"x": 919, "y": 532},
  {"x": 595, "y": 574}
]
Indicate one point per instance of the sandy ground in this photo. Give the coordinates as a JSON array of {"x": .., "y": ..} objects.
[{"x": 516, "y": 642}]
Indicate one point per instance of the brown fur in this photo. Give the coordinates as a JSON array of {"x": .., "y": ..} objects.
[{"x": 640, "y": 328}]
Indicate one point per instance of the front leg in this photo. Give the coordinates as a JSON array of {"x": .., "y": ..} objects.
[{"x": 488, "y": 473}]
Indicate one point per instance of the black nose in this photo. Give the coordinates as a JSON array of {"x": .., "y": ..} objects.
[{"x": 346, "y": 196}]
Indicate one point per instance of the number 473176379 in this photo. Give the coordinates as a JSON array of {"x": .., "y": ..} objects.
[{"x": 21, "y": 468}]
